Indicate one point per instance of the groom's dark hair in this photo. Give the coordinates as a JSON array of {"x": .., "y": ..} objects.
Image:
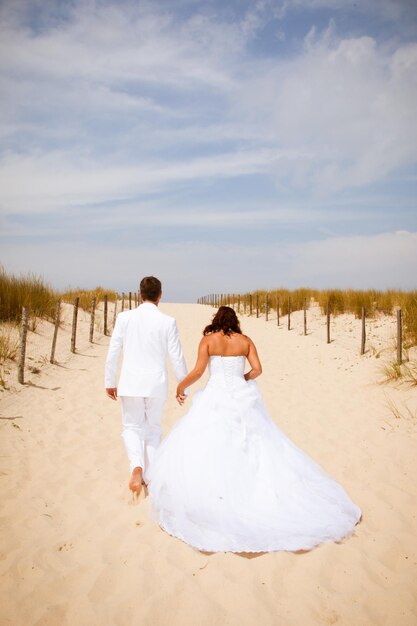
[{"x": 150, "y": 288}]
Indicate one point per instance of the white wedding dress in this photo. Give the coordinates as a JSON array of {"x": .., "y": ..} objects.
[{"x": 226, "y": 479}]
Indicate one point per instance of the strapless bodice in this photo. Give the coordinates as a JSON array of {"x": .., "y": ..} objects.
[{"x": 227, "y": 370}]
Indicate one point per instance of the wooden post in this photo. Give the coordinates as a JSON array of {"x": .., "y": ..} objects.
[
  {"x": 54, "y": 338},
  {"x": 115, "y": 312},
  {"x": 250, "y": 304},
  {"x": 277, "y": 310},
  {"x": 74, "y": 324},
  {"x": 305, "y": 315},
  {"x": 328, "y": 321},
  {"x": 266, "y": 307},
  {"x": 130, "y": 300},
  {"x": 244, "y": 304},
  {"x": 136, "y": 299},
  {"x": 123, "y": 301},
  {"x": 238, "y": 303},
  {"x": 289, "y": 312},
  {"x": 22, "y": 352},
  {"x": 106, "y": 308},
  {"x": 92, "y": 316},
  {"x": 399, "y": 337},
  {"x": 363, "y": 338},
  {"x": 257, "y": 305}
]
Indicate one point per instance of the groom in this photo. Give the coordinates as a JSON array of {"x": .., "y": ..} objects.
[{"x": 145, "y": 335}]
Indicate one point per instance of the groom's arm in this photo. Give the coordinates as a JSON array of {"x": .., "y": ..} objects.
[
  {"x": 175, "y": 352},
  {"x": 112, "y": 360}
]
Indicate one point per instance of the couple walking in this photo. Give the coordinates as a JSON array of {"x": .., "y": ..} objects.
[{"x": 226, "y": 479}]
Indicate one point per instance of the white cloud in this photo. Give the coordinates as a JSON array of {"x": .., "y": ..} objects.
[
  {"x": 131, "y": 106},
  {"x": 381, "y": 261},
  {"x": 341, "y": 110},
  {"x": 126, "y": 42},
  {"x": 349, "y": 102},
  {"x": 378, "y": 261},
  {"x": 54, "y": 181},
  {"x": 392, "y": 10}
]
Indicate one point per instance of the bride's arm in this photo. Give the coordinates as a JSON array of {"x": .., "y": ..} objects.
[
  {"x": 254, "y": 362},
  {"x": 197, "y": 372}
]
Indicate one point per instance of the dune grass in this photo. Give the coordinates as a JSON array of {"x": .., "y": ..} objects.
[
  {"x": 340, "y": 301},
  {"x": 404, "y": 373},
  {"x": 86, "y": 296},
  {"x": 9, "y": 344},
  {"x": 32, "y": 292},
  {"x": 276, "y": 297},
  {"x": 405, "y": 414},
  {"x": 408, "y": 304},
  {"x": 25, "y": 291}
]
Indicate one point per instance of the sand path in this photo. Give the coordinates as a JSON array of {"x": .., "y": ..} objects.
[{"x": 75, "y": 551}]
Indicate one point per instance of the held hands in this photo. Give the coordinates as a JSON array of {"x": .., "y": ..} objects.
[
  {"x": 112, "y": 392},
  {"x": 181, "y": 396}
]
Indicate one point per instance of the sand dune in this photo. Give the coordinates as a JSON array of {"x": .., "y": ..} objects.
[{"x": 75, "y": 550}]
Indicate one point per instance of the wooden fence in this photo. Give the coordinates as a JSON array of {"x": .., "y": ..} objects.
[
  {"x": 109, "y": 314},
  {"x": 244, "y": 304},
  {"x": 247, "y": 304},
  {"x": 107, "y": 321}
]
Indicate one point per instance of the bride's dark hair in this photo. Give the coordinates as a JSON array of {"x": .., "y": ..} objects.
[{"x": 226, "y": 320}]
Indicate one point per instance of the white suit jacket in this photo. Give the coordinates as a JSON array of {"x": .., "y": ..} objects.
[{"x": 146, "y": 336}]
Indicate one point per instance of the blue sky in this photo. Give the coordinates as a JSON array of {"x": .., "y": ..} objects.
[{"x": 221, "y": 146}]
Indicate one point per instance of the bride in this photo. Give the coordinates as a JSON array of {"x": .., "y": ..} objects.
[{"x": 226, "y": 479}]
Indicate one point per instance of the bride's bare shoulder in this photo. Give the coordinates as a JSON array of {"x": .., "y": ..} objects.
[
  {"x": 208, "y": 340},
  {"x": 248, "y": 341},
  {"x": 246, "y": 338}
]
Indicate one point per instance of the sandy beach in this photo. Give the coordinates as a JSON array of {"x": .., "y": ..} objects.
[{"x": 77, "y": 551}]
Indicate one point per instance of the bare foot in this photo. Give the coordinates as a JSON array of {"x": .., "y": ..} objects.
[{"x": 135, "y": 483}]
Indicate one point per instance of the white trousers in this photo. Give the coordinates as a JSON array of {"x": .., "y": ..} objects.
[{"x": 141, "y": 429}]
